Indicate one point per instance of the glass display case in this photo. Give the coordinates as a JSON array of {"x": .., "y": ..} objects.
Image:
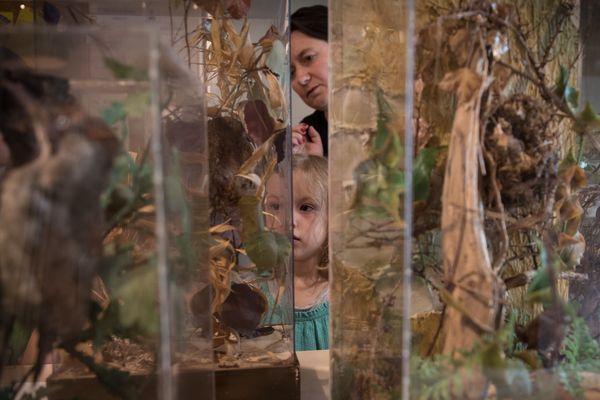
[
  {"x": 140, "y": 258},
  {"x": 187, "y": 288},
  {"x": 369, "y": 119},
  {"x": 504, "y": 228},
  {"x": 104, "y": 222},
  {"x": 243, "y": 50}
]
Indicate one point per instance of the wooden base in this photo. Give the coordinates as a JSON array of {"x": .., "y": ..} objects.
[
  {"x": 259, "y": 383},
  {"x": 277, "y": 382}
]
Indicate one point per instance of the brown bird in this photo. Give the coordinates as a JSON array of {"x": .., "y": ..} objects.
[
  {"x": 545, "y": 333},
  {"x": 51, "y": 221}
]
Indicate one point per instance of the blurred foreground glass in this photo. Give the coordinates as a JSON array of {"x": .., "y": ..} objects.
[
  {"x": 369, "y": 183},
  {"x": 505, "y": 190},
  {"x": 104, "y": 215}
]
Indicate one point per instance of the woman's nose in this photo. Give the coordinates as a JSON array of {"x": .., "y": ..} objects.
[{"x": 302, "y": 76}]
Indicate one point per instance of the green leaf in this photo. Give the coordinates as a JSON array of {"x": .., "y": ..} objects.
[
  {"x": 564, "y": 91},
  {"x": 423, "y": 167},
  {"x": 561, "y": 82},
  {"x": 543, "y": 296},
  {"x": 395, "y": 180},
  {"x": 572, "y": 97},
  {"x": 579, "y": 345},
  {"x": 539, "y": 289},
  {"x": 19, "y": 337},
  {"x": 124, "y": 71},
  {"x": 587, "y": 119},
  {"x": 136, "y": 292},
  {"x": 132, "y": 290},
  {"x": 135, "y": 105},
  {"x": 268, "y": 250},
  {"x": 251, "y": 215},
  {"x": 276, "y": 58},
  {"x": 115, "y": 192},
  {"x": 114, "y": 113},
  {"x": 386, "y": 145}
]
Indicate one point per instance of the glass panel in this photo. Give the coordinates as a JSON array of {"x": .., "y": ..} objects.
[
  {"x": 244, "y": 63},
  {"x": 368, "y": 187},
  {"x": 104, "y": 232},
  {"x": 505, "y": 198},
  {"x": 131, "y": 81}
]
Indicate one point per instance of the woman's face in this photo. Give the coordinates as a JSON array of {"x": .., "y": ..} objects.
[{"x": 310, "y": 60}]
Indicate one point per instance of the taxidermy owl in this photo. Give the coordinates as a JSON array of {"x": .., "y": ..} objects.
[{"x": 51, "y": 221}]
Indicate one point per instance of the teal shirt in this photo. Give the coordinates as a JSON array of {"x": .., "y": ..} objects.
[
  {"x": 311, "y": 331},
  {"x": 311, "y": 328}
]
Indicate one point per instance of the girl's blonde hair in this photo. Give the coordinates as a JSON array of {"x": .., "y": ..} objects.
[{"x": 315, "y": 171}]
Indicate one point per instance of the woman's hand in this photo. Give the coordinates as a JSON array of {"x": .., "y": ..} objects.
[{"x": 301, "y": 143}]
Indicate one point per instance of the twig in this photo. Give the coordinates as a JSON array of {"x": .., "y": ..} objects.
[
  {"x": 463, "y": 309},
  {"x": 524, "y": 278},
  {"x": 186, "y": 33},
  {"x": 500, "y": 257}
]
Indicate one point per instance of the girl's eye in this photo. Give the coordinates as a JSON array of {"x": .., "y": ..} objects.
[
  {"x": 307, "y": 207},
  {"x": 273, "y": 206}
]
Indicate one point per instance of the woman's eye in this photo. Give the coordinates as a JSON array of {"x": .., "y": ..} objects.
[{"x": 308, "y": 58}]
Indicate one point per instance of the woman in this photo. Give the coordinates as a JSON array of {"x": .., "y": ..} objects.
[{"x": 310, "y": 69}]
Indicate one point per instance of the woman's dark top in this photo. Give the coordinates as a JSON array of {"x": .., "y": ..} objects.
[{"x": 318, "y": 121}]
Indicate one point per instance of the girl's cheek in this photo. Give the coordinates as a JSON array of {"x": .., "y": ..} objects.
[
  {"x": 274, "y": 223},
  {"x": 319, "y": 228}
]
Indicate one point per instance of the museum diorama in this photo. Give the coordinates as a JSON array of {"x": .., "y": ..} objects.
[
  {"x": 148, "y": 212},
  {"x": 491, "y": 105},
  {"x": 129, "y": 269}
]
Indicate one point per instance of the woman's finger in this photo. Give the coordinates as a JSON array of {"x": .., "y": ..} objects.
[
  {"x": 314, "y": 135},
  {"x": 298, "y": 138}
]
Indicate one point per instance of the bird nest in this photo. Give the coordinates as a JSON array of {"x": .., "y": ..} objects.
[{"x": 522, "y": 144}]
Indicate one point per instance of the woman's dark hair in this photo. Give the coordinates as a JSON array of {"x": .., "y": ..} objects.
[{"x": 312, "y": 21}]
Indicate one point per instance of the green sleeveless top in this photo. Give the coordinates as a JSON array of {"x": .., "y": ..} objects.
[
  {"x": 311, "y": 331},
  {"x": 311, "y": 328}
]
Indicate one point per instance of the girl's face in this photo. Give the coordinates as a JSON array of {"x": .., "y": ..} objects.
[
  {"x": 310, "y": 58},
  {"x": 309, "y": 216}
]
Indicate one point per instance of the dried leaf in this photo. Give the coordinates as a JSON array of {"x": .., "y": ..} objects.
[
  {"x": 277, "y": 58},
  {"x": 224, "y": 227},
  {"x": 238, "y": 8},
  {"x": 254, "y": 178}
]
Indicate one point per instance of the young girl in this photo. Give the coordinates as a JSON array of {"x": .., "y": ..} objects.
[{"x": 311, "y": 295}]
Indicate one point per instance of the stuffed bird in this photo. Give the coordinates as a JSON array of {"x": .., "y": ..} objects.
[{"x": 51, "y": 221}]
